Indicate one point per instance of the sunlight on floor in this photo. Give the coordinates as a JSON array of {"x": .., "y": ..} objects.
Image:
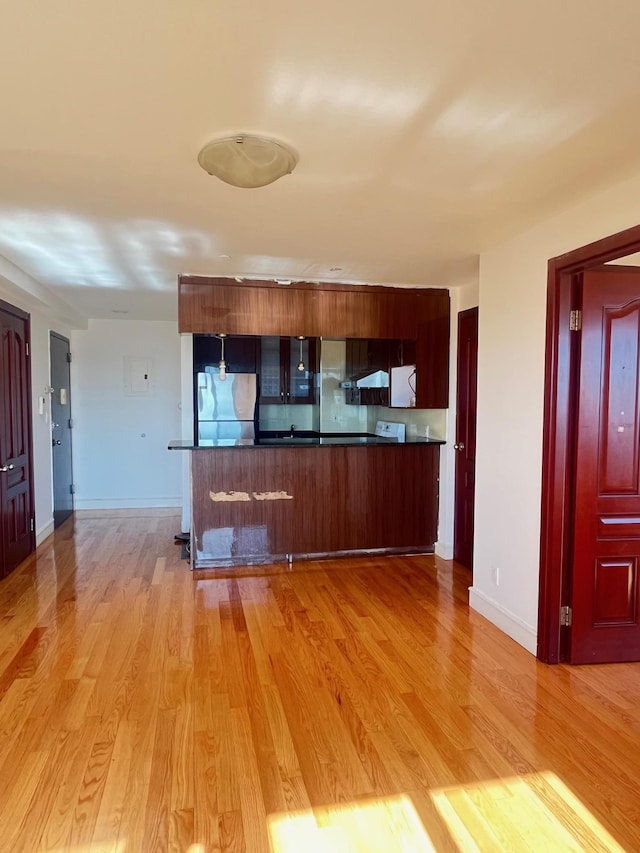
[
  {"x": 527, "y": 813},
  {"x": 377, "y": 826}
]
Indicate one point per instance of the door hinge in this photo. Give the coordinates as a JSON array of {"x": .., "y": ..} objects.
[
  {"x": 26, "y": 349},
  {"x": 32, "y": 524},
  {"x": 69, "y": 357},
  {"x": 72, "y": 489},
  {"x": 575, "y": 320},
  {"x": 565, "y": 617}
]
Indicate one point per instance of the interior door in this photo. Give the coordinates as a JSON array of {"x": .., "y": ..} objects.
[
  {"x": 60, "y": 359},
  {"x": 466, "y": 404},
  {"x": 17, "y": 538},
  {"x": 606, "y": 531}
]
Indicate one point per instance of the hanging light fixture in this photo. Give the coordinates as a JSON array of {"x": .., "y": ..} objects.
[
  {"x": 301, "y": 366},
  {"x": 222, "y": 364},
  {"x": 247, "y": 161}
]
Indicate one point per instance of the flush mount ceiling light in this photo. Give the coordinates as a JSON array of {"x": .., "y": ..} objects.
[{"x": 247, "y": 161}]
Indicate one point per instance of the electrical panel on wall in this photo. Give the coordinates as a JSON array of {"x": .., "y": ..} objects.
[{"x": 137, "y": 376}]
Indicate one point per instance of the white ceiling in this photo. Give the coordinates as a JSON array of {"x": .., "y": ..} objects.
[{"x": 425, "y": 132}]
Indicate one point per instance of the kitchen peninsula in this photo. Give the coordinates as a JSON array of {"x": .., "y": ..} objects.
[
  {"x": 269, "y": 501},
  {"x": 262, "y": 496}
]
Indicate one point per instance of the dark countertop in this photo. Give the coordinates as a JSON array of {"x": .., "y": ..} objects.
[{"x": 319, "y": 440}]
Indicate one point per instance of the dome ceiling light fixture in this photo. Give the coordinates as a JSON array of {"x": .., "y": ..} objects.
[{"x": 247, "y": 161}]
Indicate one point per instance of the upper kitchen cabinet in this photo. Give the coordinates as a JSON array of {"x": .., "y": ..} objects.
[
  {"x": 370, "y": 366},
  {"x": 432, "y": 352},
  {"x": 401, "y": 353},
  {"x": 218, "y": 305},
  {"x": 282, "y": 380},
  {"x": 241, "y": 354},
  {"x": 226, "y": 306},
  {"x": 215, "y": 305}
]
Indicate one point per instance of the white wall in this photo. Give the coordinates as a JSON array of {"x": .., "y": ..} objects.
[
  {"x": 120, "y": 455},
  {"x": 510, "y": 404},
  {"x": 41, "y": 324}
]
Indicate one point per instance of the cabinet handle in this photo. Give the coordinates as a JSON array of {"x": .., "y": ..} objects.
[{"x": 459, "y": 446}]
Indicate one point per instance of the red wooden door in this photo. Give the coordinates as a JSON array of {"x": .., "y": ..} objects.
[
  {"x": 606, "y": 535},
  {"x": 17, "y": 538},
  {"x": 465, "y": 436}
]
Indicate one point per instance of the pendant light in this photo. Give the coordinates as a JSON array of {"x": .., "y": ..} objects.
[
  {"x": 301, "y": 366},
  {"x": 222, "y": 364}
]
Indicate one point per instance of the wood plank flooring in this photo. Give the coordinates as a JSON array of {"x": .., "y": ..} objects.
[{"x": 347, "y": 705}]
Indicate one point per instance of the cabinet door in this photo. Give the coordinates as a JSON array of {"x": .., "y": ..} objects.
[
  {"x": 401, "y": 353},
  {"x": 272, "y": 388},
  {"x": 280, "y": 380},
  {"x": 365, "y": 356},
  {"x": 432, "y": 354},
  {"x": 300, "y": 384},
  {"x": 240, "y": 353}
]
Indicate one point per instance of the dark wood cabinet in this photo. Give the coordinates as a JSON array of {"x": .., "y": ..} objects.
[
  {"x": 401, "y": 353},
  {"x": 364, "y": 356},
  {"x": 281, "y": 382},
  {"x": 432, "y": 353},
  {"x": 241, "y": 353},
  {"x": 419, "y": 318},
  {"x": 327, "y": 501}
]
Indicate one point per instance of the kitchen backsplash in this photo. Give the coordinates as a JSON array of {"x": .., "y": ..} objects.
[
  {"x": 416, "y": 420},
  {"x": 281, "y": 417}
]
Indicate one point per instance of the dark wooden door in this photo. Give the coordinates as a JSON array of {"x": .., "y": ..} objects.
[
  {"x": 605, "y": 597},
  {"x": 16, "y": 501},
  {"x": 60, "y": 360},
  {"x": 465, "y": 445}
]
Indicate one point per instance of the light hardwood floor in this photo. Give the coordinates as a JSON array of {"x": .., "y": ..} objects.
[{"x": 347, "y": 705}]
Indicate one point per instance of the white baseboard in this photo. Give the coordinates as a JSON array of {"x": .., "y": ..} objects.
[
  {"x": 126, "y": 503},
  {"x": 512, "y": 625},
  {"x": 44, "y": 532},
  {"x": 444, "y": 550}
]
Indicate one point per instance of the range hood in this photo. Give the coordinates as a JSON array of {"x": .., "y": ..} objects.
[{"x": 377, "y": 379}]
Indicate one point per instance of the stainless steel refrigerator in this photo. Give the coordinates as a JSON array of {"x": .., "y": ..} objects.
[{"x": 226, "y": 410}]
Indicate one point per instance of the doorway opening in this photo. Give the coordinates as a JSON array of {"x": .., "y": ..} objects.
[
  {"x": 562, "y": 378},
  {"x": 61, "y": 426}
]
